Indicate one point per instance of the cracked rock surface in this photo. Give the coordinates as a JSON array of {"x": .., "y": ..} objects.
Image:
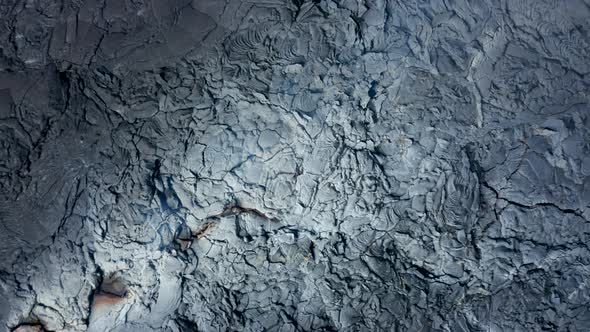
[{"x": 294, "y": 165}]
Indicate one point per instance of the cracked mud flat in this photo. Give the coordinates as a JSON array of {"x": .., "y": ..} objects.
[{"x": 274, "y": 165}]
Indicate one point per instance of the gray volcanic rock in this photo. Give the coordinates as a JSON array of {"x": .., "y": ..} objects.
[{"x": 294, "y": 165}]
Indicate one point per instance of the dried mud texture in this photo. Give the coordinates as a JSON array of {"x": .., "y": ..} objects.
[{"x": 278, "y": 165}]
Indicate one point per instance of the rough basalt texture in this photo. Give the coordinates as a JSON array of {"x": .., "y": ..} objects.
[{"x": 278, "y": 165}]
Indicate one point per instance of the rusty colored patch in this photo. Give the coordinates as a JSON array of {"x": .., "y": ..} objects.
[
  {"x": 199, "y": 233},
  {"x": 112, "y": 291},
  {"x": 29, "y": 328},
  {"x": 233, "y": 210},
  {"x": 103, "y": 299},
  {"x": 237, "y": 209}
]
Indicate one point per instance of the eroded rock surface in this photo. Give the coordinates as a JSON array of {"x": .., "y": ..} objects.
[{"x": 294, "y": 165}]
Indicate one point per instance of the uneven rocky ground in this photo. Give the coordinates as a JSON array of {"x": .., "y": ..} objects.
[{"x": 294, "y": 165}]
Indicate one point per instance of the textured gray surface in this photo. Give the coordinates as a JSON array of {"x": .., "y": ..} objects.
[{"x": 274, "y": 165}]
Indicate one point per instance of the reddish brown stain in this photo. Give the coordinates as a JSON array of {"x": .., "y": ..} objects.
[
  {"x": 199, "y": 233},
  {"x": 102, "y": 300},
  {"x": 230, "y": 211},
  {"x": 29, "y": 328},
  {"x": 238, "y": 209}
]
